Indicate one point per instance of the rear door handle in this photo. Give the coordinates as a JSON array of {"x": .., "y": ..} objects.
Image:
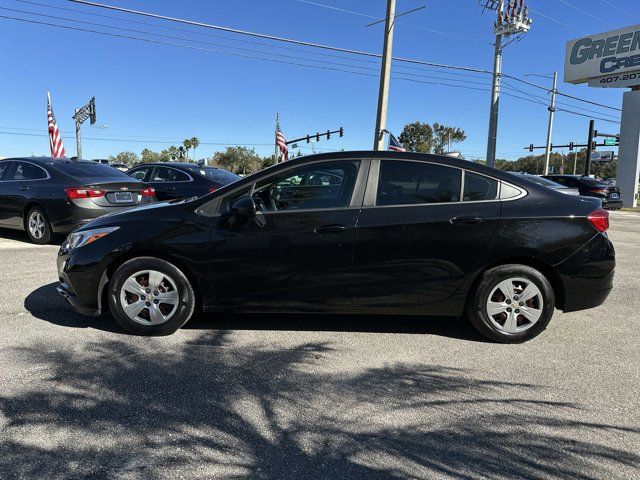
[
  {"x": 466, "y": 220},
  {"x": 23, "y": 188},
  {"x": 330, "y": 229}
]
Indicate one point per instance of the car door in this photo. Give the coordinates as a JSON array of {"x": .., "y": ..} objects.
[
  {"x": 141, "y": 173},
  {"x": 170, "y": 183},
  {"x": 5, "y": 167},
  {"x": 298, "y": 249},
  {"x": 23, "y": 182},
  {"x": 419, "y": 235}
]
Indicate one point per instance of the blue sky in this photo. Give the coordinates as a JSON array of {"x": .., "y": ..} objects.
[{"x": 147, "y": 91}]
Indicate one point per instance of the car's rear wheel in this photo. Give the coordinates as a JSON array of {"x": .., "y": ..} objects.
[
  {"x": 511, "y": 303},
  {"x": 150, "y": 296},
  {"x": 38, "y": 226}
]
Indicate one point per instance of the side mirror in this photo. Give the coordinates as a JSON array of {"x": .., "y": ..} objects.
[{"x": 244, "y": 207}]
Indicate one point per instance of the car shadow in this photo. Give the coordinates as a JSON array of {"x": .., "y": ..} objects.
[
  {"x": 21, "y": 236},
  {"x": 45, "y": 303}
]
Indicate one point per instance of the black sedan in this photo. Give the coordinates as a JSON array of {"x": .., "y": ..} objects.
[
  {"x": 592, "y": 187},
  {"x": 54, "y": 195},
  {"x": 173, "y": 180},
  {"x": 368, "y": 232},
  {"x": 545, "y": 182}
]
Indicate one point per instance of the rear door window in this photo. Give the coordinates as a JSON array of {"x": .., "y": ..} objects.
[
  {"x": 140, "y": 173},
  {"x": 4, "y": 168},
  {"x": 165, "y": 174},
  {"x": 478, "y": 188},
  {"x": 28, "y": 171},
  {"x": 409, "y": 183}
]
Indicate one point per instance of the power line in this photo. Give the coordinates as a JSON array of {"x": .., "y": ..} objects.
[
  {"x": 585, "y": 13},
  {"x": 556, "y": 21},
  {"x": 606, "y": 2},
  {"x": 439, "y": 32}
]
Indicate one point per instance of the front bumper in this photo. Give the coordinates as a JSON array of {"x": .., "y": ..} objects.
[
  {"x": 81, "y": 287},
  {"x": 587, "y": 275}
]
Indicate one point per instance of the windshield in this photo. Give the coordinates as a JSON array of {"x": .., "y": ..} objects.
[{"x": 218, "y": 175}]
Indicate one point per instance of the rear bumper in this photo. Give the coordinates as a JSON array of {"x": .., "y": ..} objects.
[
  {"x": 78, "y": 214},
  {"x": 587, "y": 275},
  {"x": 612, "y": 204}
]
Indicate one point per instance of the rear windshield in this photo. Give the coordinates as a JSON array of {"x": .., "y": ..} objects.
[
  {"x": 218, "y": 175},
  {"x": 89, "y": 170}
]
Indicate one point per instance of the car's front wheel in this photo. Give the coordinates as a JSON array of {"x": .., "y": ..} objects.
[
  {"x": 511, "y": 303},
  {"x": 150, "y": 296}
]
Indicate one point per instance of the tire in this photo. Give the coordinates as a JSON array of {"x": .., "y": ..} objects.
[
  {"x": 37, "y": 226},
  {"x": 150, "y": 296},
  {"x": 514, "y": 321}
]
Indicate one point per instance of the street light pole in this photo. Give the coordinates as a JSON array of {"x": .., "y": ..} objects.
[
  {"x": 385, "y": 76},
  {"x": 552, "y": 109},
  {"x": 78, "y": 139}
]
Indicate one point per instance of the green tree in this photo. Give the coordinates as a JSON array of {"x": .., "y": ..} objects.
[
  {"x": 128, "y": 158},
  {"x": 238, "y": 159},
  {"x": 444, "y": 136},
  {"x": 417, "y": 137},
  {"x": 149, "y": 156},
  {"x": 189, "y": 143}
]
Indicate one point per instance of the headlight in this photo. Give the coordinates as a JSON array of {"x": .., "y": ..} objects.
[{"x": 80, "y": 239}]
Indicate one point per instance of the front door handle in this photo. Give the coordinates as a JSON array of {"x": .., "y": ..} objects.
[
  {"x": 466, "y": 220},
  {"x": 330, "y": 229}
]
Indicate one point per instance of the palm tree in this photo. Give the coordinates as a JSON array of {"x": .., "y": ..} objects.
[{"x": 195, "y": 143}]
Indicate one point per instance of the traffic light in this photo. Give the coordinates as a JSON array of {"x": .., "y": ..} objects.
[
  {"x": 308, "y": 139},
  {"x": 328, "y": 134},
  {"x": 593, "y": 145},
  {"x": 571, "y": 146},
  {"x": 341, "y": 131},
  {"x": 317, "y": 136},
  {"x": 92, "y": 110},
  {"x": 531, "y": 147}
]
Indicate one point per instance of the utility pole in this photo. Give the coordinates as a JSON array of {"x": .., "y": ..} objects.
[
  {"x": 80, "y": 115},
  {"x": 385, "y": 76},
  {"x": 575, "y": 161},
  {"x": 492, "y": 139},
  {"x": 552, "y": 109},
  {"x": 514, "y": 20}
]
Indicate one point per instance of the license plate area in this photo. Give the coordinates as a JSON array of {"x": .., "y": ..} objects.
[
  {"x": 123, "y": 197},
  {"x": 614, "y": 195}
]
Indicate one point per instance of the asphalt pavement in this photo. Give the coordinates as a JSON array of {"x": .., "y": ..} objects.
[{"x": 314, "y": 397}]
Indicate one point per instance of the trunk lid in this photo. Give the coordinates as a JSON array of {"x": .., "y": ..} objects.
[{"x": 117, "y": 192}]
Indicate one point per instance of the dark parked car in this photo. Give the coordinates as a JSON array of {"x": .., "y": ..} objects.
[
  {"x": 368, "y": 232},
  {"x": 549, "y": 183},
  {"x": 592, "y": 187},
  {"x": 54, "y": 195},
  {"x": 175, "y": 180}
]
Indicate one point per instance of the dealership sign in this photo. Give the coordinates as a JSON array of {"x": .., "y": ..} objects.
[{"x": 610, "y": 59}]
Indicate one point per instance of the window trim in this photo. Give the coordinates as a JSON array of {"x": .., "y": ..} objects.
[
  {"x": 356, "y": 201},
  {"x": 12, "y": 169},
  {"x": 155, "y": 167},
  {"x": 374, "y": 177}
]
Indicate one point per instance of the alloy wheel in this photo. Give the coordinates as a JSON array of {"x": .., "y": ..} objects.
[
  {"x": 149, "y": 297},
  {"x": 515, "y": 305},
  {"x": 36, "y": 225}
]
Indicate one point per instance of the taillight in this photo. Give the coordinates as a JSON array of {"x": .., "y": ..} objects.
[
  {"x": 212, "y": 189},
  {"x": 599, "y": 219},
  {"x": 74, "y": 193},
  {"x": 599, "y": 191},
  {"x": 148, "y": 192}
]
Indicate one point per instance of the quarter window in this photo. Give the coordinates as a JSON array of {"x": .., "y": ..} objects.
[
  {"x": 317, "y": 186},
  {"x": 28, "y": 171},
  {"x": 479, "y": 187},
  {"x": 407, "y": 183},
  {"x": 163, "y": 174}
]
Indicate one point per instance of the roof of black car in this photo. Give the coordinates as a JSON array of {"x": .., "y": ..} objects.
[
  {"x": 50, "y": 160},
  {"x": 174, "y": 164}
]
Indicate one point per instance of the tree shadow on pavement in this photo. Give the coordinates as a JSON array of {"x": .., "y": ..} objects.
[
  {"x": 46, "y": 304},
  {"x": 215, "y": 407}
]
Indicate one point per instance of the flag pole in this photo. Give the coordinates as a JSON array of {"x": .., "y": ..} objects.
[{"x": 275, "y": 138}]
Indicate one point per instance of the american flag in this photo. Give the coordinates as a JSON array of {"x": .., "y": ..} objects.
[
  {"x": 281, "y": 142},
  {"x": 394, "y": 144},
  {"x": 55, "y": 140}
]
